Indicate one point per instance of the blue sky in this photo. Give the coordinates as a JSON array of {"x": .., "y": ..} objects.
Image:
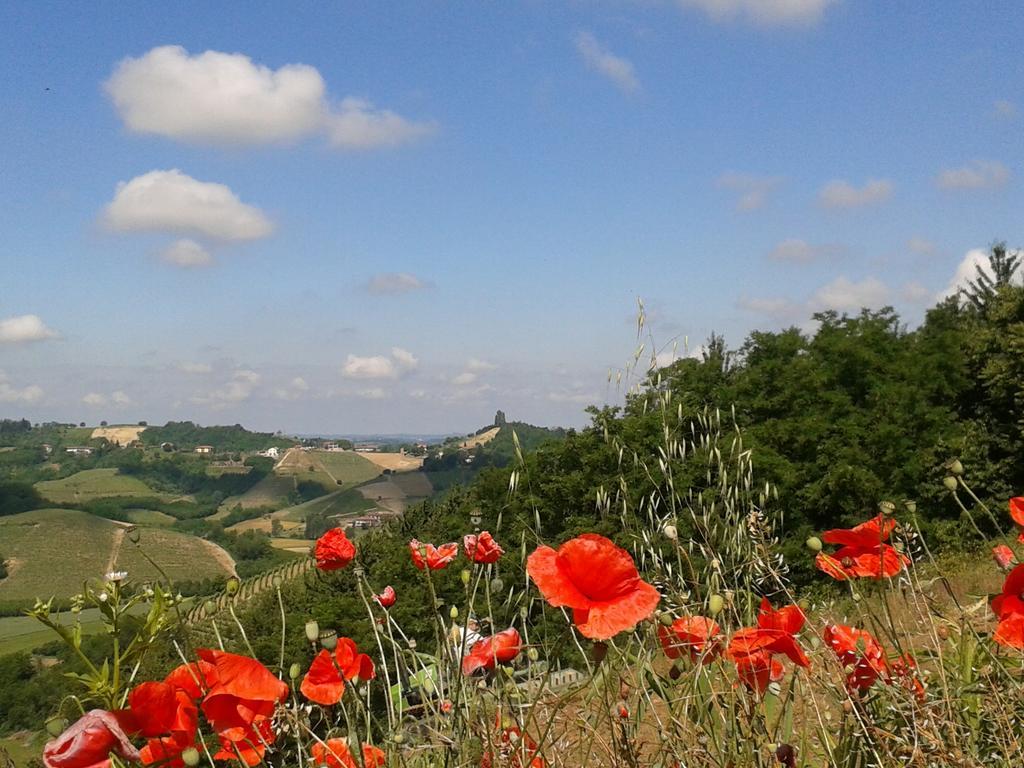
[{"x": 403, "y": 216}]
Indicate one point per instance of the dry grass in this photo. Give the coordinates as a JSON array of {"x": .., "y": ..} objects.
[
  {"x": 396, "y": 462},
  {"x": 118, "y": 435}
]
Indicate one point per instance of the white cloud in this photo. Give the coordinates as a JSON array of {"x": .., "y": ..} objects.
[
  {"x": 295, "y": 389},
  {"x": 237, "y": 389},
  {"x": 171, "y": 201},
  {"x": 372, "y": 393},
  {"x": 753, "y": 190},
  {"x": 1004, "y": 108},
  {"x": 395, "y": 282},
  {"x": 23, "y": 329},
  {"x": 800, "y": 251},
  {"x": 118, "y": 397},
  {"x": 915, "y": 293},
  {"x": 406, "y": 360},
  {"x": 197, "y": 368},
  {"x": 598, "y": 58},
  {"x": 216, "y": 97},
  {"x": 921, "y": 246},
  {"x": 842, "y": 194},
  {"x": 967, "y": 272},
  {"x": 766, "y": 12},
  {"x": 379, "y": 366},
  {"x": 187, "y": 254},
  {"x": 94, "y": 399},
  {"x": 475, "y": 364},
  {"x": 843, "y": 294},
  {"x": 979, "y": 174},
  {"x": 359, "y": 125},
  {"x": 463, "y": 379},
  {"x": 9, "y": 393}
]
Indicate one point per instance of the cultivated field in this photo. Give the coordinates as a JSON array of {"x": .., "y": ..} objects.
[
  {"x": 332, "y": 469},
  {"x": 118, "y": 435},
  {"x": 482, "y": 439},
  {"x": 396, "y": 492},
  {"x": 150, "y": 517},
  {"x": 51, "y": 552},
  {"x": 346, "y": 502},
  {"x": 298, "y": 546},
  {"x": 91, "y": 484},
  {"x": 396, "y": 462},
  {"x": 271, "y": 491}
]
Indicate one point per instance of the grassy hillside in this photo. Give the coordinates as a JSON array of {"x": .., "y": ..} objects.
[
  {"x": 272, "y": 491},
  {"x": 91, "y": 484},
  {"x": 330, "y": 469},
  {"x": 53, "y": 551},
  {"x": 343, "y": 502}
]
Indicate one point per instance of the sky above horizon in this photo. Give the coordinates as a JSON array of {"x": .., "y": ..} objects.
[{"x": 401, "y": 217}]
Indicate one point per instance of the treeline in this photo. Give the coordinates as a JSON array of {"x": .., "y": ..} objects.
[{"x": 186, "y": 435}]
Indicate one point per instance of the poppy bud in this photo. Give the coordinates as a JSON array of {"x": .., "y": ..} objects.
[
  {"x": 465, "y": 576},
  {"x": 55, "y": 725},
  {"x": 665, "y": 618},
  {"x": 277, "y": 581},
  {"x": 497, "y": 585},
  {"x": 209, "y": 607},
  {"x": 454, "y": 612},
  {"x": 955, "y": 467},
  {"x": 942, "y": 632},
  {"x": 329, "y": 639},
  {"x": 190, "y": 757},
  {"x": 312, "y": 631},
  {"x": 715, "y": 604},
  {"x": 532, "y": 654},
  {"x": 295, "y": 672},
  {"x": 598, "y": 651},
  {"x": 814, "y": 544},
  {"x": 398, "y": 737},
  {"x": 950, "y": 482},
  {"x": 671, "y": 533},
  {"x": 232, "y": 586}
]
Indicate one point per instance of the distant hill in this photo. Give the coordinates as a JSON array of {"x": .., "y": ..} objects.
[{"x": 186, "y": 435}]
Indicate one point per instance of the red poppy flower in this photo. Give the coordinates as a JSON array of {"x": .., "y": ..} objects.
[
  {"x": 858, "y": 651},
  {"x": 753, "y": 649},
  {"x": 194, "y": 679},
  {"x": 598, "y": 580},
  {"x": 245, "y": 693},
  {"x": 333, "y": 550},
  {"x": 1003, "y": 556},
  {"x": 324, "y": 683},
  {"x": 429, "y": 556},
  {"x": 499, "y": 648},
  {"x": 515, "y": 749},
  {"x": 693, "y": 635},
  {"x": 1017, "y": 513},
  {"x": 89, "y": 742},
  {"x": 789, "y": 619},
  {"x": 863, "y": 551},
  {"x": 334, "y": 753},
  {"x": 904, "y": 671},
  {"x": 482, "y": 549},
  {"x": 1008, "y": 607},
  {"x": 386, "y": 598},
  {"x": 152, "y": 707},
  {"x": 250, "y": 744}
]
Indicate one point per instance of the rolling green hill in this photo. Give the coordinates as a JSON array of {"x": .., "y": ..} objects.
[{"x": 91, "y": 484}]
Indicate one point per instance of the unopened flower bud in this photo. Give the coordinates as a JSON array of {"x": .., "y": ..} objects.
[
  {"x": 665, "y": 618},
  {"x": 190, "y": 757},
  {"x": 465, "y": 576},
  {"x": 814, "y": 544},
  {"x": 295, "y": 672},
  {"x": 532, "y": 654},
  {"x": 950, "y": 482},
  {"x": 312, "y": 631},
  {"x": 454, "y": 612},
  {"x": 232, "y": 586},
  {"x": 671, "y": 533},
  {"x": 715, "y": 604},
  {"x": 55, "y": 725},
  {"x": 277, "y": 581},
  {"x": 497, "y": 585},
  {"x": 329, "y": 639},
  {"x": 398, "y": 737}
]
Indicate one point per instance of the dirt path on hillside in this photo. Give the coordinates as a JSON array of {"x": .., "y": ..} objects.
[{"x": 116, "y": 549}]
